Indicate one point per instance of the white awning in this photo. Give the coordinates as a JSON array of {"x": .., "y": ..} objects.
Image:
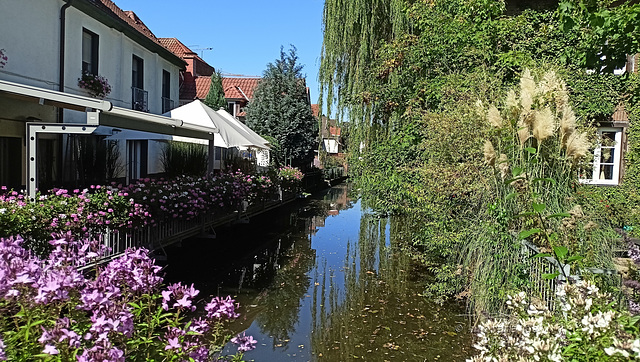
[{"x": 109, "y": 115}]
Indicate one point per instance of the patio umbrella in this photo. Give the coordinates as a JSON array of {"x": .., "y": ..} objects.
[
  {"x": 229, "y": 133},
  {"x": 256, "y": 138}
]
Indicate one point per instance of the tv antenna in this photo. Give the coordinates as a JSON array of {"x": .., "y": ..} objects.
[{"x": 200, "y": 49}]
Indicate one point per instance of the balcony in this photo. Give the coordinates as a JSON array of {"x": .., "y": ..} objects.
[
  {"x": 140, "y": 99},
  {"x": 167, "y": 104}
]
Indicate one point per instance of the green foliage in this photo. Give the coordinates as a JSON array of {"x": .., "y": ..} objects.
[
  {"x": 184, "y": 159},
  {"x": 215, "y": 97},
  {"x": 280, "y": 109},
  {"x": 608, "y": 33},
  {"x": 414, "y": 134}
]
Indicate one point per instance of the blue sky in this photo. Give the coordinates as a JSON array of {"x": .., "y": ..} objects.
[{"x": 244, "y": 35}]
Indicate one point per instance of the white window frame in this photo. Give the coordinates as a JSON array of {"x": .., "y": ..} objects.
[{"x": 597, "y": 155}]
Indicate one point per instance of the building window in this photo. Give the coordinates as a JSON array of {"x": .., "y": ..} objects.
[
  {"x": 10, "y": 162},
  {"x": 607, "y": 158},
  {"x": 137, "y": 151},
  {"x": 137, "y": 73},
  {"x": 231, "y": 108},
  {"x": 140, "y": 97},
  {"x": 89, "y": 52},
  {"x": 167, "y": 102}
]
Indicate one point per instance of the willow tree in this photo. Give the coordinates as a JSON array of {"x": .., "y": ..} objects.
[{"x": 353, "y": 31}]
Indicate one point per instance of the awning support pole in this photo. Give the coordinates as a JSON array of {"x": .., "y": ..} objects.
[{"x": 33, "y": 130}]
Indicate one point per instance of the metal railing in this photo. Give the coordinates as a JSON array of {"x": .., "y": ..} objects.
[
  {"x": 164, "y": 233},
  {"x": 139, "y": 99},
  {"x": 167, "y": 104},
  {"x": 545, "y": 289}
]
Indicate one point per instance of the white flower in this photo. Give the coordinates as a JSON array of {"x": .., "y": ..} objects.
[
  {"x": 587, "y": 304},
  {"x": 612, "y": 350},
  {"x": 3, "y": 210}
]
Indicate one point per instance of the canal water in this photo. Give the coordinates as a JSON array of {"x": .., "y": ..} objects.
[{"x": 323, "y": 280}]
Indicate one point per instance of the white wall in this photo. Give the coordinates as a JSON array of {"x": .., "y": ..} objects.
[{"x": 29, "y": 35}]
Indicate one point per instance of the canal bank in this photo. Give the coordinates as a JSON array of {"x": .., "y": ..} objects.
[{"x": 321, "y": 280}]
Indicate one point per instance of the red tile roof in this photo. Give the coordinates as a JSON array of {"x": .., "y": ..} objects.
[
  {"x": 315, "y": 109},
  {"x": 202, "y": 85},
  {"x": 179, "y": 49},
  {"x": 239, "y": 87},
  {"x": 127, "y": 16},
  {"x": 234, "y": 87}
]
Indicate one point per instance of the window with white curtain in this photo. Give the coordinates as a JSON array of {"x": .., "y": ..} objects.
[{"x": 607, "y": 158}]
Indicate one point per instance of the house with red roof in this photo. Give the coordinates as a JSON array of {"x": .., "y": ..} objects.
[
  {"x": 195, "y": 80},
  {"x": 89, "y": 63}
]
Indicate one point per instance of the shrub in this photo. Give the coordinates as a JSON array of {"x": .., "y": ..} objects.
[
  {"x": 50, "y": 310},
  {"x": 290, "y": 178},
  {"x": 585, "y": 325}
]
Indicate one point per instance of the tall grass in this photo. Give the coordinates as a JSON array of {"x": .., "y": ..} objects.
[
  {"x": 184, "y": 159},
  {"x": 536, "y": 150}
]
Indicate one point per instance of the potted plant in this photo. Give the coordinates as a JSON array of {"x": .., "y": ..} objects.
[{"x": 96, "y": 85}]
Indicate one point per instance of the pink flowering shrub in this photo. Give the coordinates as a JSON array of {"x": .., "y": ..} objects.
[
  {"x": 78, "y": 211},
  {"x": 50, "y": 310},
  {"x": 290, "y": 178},
  {"x": 117, "y": 207},
  {"x": 188, "y": 197}
]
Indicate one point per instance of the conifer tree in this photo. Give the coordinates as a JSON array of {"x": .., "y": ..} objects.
[
  {"x": 215, "y": 98},
  {"x": 281, "y": 109}
]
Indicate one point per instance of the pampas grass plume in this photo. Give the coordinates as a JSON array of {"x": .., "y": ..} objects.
[
  {"x": 489, "y": 153},
  {"x": 577, "y": 146},
  {"x": 493, "y": 116},
  {"x": 544, "y": 124},
  {"x": 527, "y": 90},
  {"x": 567, "y": 125},
  {"x": 503, "y": 166},
  {"x": 523, "y": 131}
]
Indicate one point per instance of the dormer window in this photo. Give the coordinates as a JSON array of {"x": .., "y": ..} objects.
[
  {"x": 89, "y": 52},
  {"x": 231, "y": 108}
]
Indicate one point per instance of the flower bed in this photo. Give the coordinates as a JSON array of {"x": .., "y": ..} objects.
[
  {"x": 144, "y": 202},
  {"x": 121, "y": 312},
  {"x": 290, "y": 178},
  {"x": 61, "y": 210}
]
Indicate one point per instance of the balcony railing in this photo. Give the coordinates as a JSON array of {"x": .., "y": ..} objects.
[
  {"x": 140, "y": 99},
  {"x": 167, "y": 104}
]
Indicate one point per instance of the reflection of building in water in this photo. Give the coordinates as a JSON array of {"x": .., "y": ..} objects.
[{"x": 318, "y": 221}]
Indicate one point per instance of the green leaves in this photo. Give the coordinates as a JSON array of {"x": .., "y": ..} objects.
[
  {"x": 526, "y": 233},
  {"x": 538, "y": 207}
]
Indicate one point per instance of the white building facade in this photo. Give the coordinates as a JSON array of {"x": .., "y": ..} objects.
[{"x": 49, "y": 44}]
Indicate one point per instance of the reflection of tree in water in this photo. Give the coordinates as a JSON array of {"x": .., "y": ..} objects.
[
  {"x": 380, "y": 316},
  {"x": 283, "y": 299}
]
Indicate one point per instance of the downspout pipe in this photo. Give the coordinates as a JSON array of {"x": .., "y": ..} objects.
[{"x": 63, "y": 35}]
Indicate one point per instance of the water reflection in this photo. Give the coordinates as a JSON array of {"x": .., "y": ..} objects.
[{"x": 325, "y": 282}]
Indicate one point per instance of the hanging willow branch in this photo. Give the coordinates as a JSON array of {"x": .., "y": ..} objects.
[{"x": 353, "y": 31}]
